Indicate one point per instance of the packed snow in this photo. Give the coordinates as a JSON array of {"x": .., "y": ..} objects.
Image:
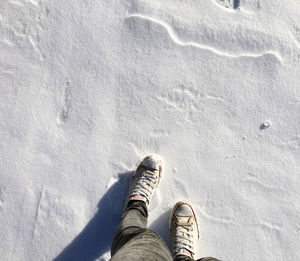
[{"x": 88, "y": 88}]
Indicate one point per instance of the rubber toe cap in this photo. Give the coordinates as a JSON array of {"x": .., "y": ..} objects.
[
  {"x": 184, "y": 210},
  {"x": 153, "y": 161}
]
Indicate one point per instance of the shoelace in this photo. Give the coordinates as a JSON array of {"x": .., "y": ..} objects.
[
  {"x": 145, "y": 185},
  {"x": 183, "y": 237}
]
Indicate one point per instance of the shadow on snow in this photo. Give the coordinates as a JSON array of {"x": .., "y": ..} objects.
[{"x": 95, "y": 239}]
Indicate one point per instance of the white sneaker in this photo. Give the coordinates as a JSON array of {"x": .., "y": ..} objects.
[
  {"x": 184, "y": 232},
  {"x": 145, "y": 180}
]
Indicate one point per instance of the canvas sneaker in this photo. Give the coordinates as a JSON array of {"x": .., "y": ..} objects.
[
  {"x": 184, "y": 232},
  {"x": 145, "y": 180}
]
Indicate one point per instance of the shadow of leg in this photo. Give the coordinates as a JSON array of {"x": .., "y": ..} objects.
[
  {"x": 95, "y": 239},
  {"x": 161, "y": 226}
]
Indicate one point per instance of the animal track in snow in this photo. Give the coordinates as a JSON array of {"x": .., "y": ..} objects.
[
  {"x": 187, "y": 98},
  {"x": 65, "y": 110},
  {"x": 174, "y": 37}
]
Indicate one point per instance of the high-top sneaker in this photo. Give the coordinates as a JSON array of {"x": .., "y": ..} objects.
[
  {"x": 145, "y": 180},
  {"x": 184, "y": 232}
]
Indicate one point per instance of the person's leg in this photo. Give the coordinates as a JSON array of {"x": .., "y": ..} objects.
[
  {"x": 132, "y": 241},
  {"x": 133, "y": 221}
]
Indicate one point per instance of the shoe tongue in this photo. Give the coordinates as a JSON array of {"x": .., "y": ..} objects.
[{"x": 183, "y": 219}]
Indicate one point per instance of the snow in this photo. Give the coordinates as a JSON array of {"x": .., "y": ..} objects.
[{"x": 89, "y": 88}]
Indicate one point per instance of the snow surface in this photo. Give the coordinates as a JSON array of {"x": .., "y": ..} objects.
[{"x": 88, "y": 88}]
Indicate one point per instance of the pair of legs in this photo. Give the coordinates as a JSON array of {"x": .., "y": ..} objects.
[{"x": 133, "y": 241}]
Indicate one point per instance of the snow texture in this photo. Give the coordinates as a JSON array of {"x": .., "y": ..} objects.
[{"x": 88, "y": 88}]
